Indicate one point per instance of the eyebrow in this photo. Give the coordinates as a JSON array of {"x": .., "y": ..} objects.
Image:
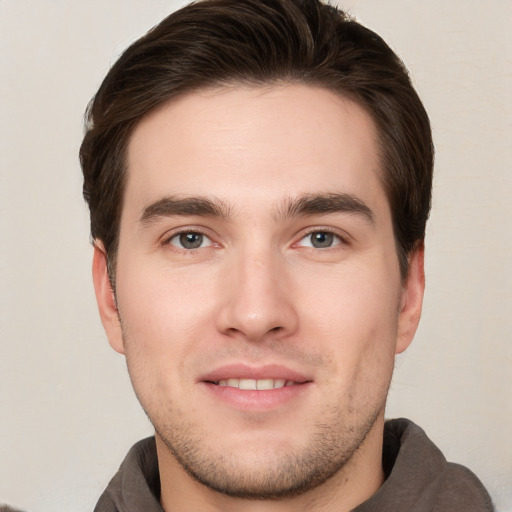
[
  {"x": 171, "y": 206},
  {"x": 322, "y": 204},
  {"x": 301, "y": 206}
]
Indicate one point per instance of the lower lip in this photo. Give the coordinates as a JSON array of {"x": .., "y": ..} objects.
[{"x": 257, "y": 400}]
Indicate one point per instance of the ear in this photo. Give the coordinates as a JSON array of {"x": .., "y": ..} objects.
[
  {"x": 412, "y": 299},
  {"x": 105, "y": 298}
]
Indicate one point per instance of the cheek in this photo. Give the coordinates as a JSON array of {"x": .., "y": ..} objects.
[
  {"x": 159, "y": 301},
  {"x": 355, "y": 315},
  {"x": 158, "y": 315}
]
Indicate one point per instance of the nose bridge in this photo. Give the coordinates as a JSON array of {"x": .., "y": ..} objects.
[{"x": 258, "y": 302}]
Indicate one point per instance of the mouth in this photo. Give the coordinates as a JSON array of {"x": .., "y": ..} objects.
[
  {"x": 245, "y": 377},
  {"x": 255, "y": 384},
  {"x": 256, "y": 389}
]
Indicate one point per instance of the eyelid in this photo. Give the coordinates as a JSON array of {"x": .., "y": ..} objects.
[
  {"x": 342, "y": 236},
  {"x": 165, "y": 240}
]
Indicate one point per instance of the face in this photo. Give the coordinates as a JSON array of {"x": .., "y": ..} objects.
[{"x": 258, "y": 287}]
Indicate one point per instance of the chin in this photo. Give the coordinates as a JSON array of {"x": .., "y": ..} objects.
[{"x": 267, "y": 467}]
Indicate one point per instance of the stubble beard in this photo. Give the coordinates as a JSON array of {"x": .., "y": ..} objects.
[{"x": 329, "y": 449}]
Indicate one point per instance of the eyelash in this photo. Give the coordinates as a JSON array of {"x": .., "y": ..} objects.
[
  {"x": 168, "y": 239},
  {"x": 341, "y": 240}
]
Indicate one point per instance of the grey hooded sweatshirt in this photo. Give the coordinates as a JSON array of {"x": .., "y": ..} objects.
[{"x": 418, "y": 479}]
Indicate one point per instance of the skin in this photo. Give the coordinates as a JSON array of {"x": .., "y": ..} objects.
[{"x": 259, "y": 291}]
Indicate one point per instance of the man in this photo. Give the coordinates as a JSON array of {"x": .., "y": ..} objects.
[{"x": 259, "y": 177}]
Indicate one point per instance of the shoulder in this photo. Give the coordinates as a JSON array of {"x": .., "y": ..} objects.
[
  {"x": 136, "y": 486},
  {"x": 459, "y": 488},
  {"x": 419, "y": 479},
  {"x": 441, "y": 485}
]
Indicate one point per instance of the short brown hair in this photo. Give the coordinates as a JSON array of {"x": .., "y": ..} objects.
[{"x": 217, "y": 42}]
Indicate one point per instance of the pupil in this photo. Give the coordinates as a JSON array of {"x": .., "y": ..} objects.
[
  {"x": 322, "y": 239},
  {"x": 191, "y": 240}
]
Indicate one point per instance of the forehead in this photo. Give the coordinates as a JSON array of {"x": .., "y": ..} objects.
[{"x": 249, "y": 144}]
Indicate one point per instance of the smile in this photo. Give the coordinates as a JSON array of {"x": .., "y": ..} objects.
[
  {"x": 255, "y": 384},
  {"x": 256, "y": 389}
]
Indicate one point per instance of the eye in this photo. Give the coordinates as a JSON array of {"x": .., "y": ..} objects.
[
  {"x": 189, "y": 240},
  {"x": 320, "y": 240}
]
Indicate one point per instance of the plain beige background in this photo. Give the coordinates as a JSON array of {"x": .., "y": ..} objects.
[{"x": 67, "y": 411}]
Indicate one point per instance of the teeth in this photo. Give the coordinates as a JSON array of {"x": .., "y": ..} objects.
[
  {"x": 247, "y": 383},
  {"x": 253, "y": 384},
  {"x": 269, "y": 383}
]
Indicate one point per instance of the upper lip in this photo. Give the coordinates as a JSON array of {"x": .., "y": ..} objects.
[{"x": 244, "y": 371}]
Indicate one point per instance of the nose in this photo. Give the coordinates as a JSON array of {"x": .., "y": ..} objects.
[{"x": 258, "y": 298}]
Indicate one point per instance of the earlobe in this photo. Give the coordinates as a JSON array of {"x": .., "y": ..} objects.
[
  {"x": 412, "y": 299},
  {"x": 105, "y": 298}
]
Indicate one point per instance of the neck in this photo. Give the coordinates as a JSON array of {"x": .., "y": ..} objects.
[{"x": 353, "y": 484}]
